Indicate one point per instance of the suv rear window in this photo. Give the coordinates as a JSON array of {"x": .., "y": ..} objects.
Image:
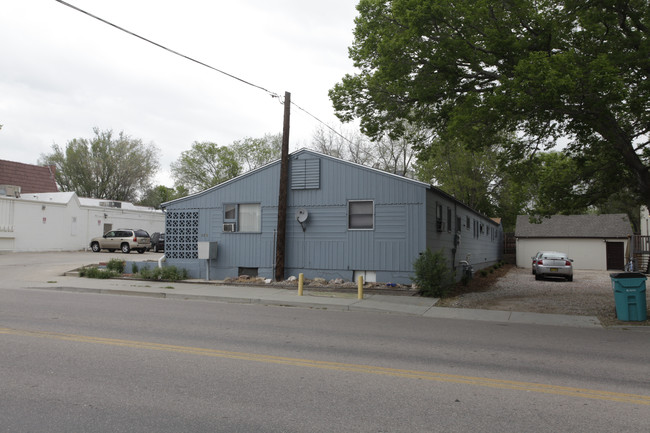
[{"x": 141, "y": 233}]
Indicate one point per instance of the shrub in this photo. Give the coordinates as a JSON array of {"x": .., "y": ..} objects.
[
  {"x": 93, "y": 272},
  {"x": 145, "y": 274},
  {"x": 134, "y": 268},
  {"x": 432, "y": 276},
  {"x": 116, "y": 265},
  {"x": 484, "y": 272},
  {"x": 168, "y": 273}
]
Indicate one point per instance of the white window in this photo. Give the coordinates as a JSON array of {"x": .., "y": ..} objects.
[
  {"x": 250, "y": 218},
  {"x": 361, "y": 215},
  {"x": 244, "y": 218}
]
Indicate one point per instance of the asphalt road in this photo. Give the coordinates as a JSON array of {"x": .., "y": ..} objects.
[{"x": 101, "y": 363}]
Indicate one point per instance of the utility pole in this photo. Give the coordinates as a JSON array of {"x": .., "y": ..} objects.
[{"x": 282, "y": 198}]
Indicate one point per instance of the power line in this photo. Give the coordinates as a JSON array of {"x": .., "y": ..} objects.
[
  {"x": 273, "y": 94},
  {"x": 325, "y": 124}
]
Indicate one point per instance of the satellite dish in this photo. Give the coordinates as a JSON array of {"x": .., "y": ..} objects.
[{"x": 302, "y": 215}]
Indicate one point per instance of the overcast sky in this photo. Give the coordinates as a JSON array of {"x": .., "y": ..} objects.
[{"x": 63, "y": 73}]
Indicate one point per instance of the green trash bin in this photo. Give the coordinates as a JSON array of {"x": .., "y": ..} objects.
[{"x": 629, "y": 294}]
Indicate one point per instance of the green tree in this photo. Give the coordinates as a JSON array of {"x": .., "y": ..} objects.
[
  {"x": 561, "y": 184},
  {"x": 154, "y": 197},
  {"x": 205, "y": 165},
  {"x": 106, "y": 166},
  {"x": 468, "y": 175},
  {"x": 252, "y": 153},
  {"x": 471, "y": 70}
]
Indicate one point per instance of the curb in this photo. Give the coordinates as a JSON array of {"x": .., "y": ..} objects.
[{"x": 408, "y": 306}]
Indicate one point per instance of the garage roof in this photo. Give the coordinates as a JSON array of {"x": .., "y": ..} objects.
[{"x": 575, "y": 226}]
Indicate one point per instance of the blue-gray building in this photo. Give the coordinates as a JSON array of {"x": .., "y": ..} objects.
[{"x": 343, "y": 220}]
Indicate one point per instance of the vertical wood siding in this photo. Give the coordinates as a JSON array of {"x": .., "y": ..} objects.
[{"x": 404, "y": 221}]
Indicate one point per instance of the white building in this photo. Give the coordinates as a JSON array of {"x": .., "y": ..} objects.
[
  {"x": 598, "y": 242},
  {"x": 61, "y": 221}
]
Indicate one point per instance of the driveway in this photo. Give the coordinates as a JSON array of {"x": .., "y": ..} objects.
[
  {"x": 590, "y": 294},
  {"x": 41, "y": 266}
]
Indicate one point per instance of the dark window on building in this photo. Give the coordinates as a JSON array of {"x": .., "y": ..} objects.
[
  {"x": 439, "y": 223},
  {"x": 361, "y": 215}
]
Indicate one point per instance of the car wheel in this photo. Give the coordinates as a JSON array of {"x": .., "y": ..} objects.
[
  {"x": 538, "y": 277},
  {"x": 141, "y": 250},
  {"x": 95, "y": 247},
  {"x": 126, "y": 249}
]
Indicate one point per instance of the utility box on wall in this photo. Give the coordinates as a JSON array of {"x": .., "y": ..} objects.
[{"x": 207, "y": 250}]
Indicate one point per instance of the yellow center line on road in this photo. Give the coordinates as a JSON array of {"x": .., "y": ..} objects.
[{"x": 356, "y": 368}]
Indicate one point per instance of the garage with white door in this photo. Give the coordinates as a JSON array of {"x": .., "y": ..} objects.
[{"x": 598, "y": 242}]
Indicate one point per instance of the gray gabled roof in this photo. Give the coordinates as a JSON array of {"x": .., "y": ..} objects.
[
  {"x": 314, "y": 153},
  {"x": 575, "y": 226},
  {"x": 341, "y": 161}
]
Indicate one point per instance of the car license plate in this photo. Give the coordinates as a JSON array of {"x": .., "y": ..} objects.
[{"x": 553, "y": 269}]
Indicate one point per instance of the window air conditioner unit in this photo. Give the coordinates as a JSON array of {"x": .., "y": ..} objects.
[
  {"x": 10, "y": 191},
  {"x": 229, "y": 227}
]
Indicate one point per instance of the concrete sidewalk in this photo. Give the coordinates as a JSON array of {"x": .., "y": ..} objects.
[
  {"x": 312, "y": 298},
  {"x": 47, "y": 271}
]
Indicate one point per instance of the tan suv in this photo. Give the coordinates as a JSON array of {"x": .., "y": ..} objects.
[{"x": 122, "y": 239}]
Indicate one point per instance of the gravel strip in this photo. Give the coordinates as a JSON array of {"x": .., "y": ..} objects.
[{"x": 589, "y": 294}]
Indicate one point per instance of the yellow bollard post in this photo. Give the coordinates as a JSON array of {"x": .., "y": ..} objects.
[
  {"x": 301, "y": 280},
  {"x": 360, "y": 287}
]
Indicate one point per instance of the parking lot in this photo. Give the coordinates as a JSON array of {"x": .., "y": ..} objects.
[
  {"x": 41, "y": 266},
  {"x": 589, "y": 294}
]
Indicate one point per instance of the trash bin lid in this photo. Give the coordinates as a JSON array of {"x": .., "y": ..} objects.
[{"x": 628, "y": 275}]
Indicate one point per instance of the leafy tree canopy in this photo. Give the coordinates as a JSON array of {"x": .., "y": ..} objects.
[
  {"x": 205, "y": 165},
  {"x": 253, "y": 153},
  {"x": 540, "y": 70},
  {"x": 107, "y": 166},
  {"x": 154, "y": 197},
  {"x": 470, "y": 176}
]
